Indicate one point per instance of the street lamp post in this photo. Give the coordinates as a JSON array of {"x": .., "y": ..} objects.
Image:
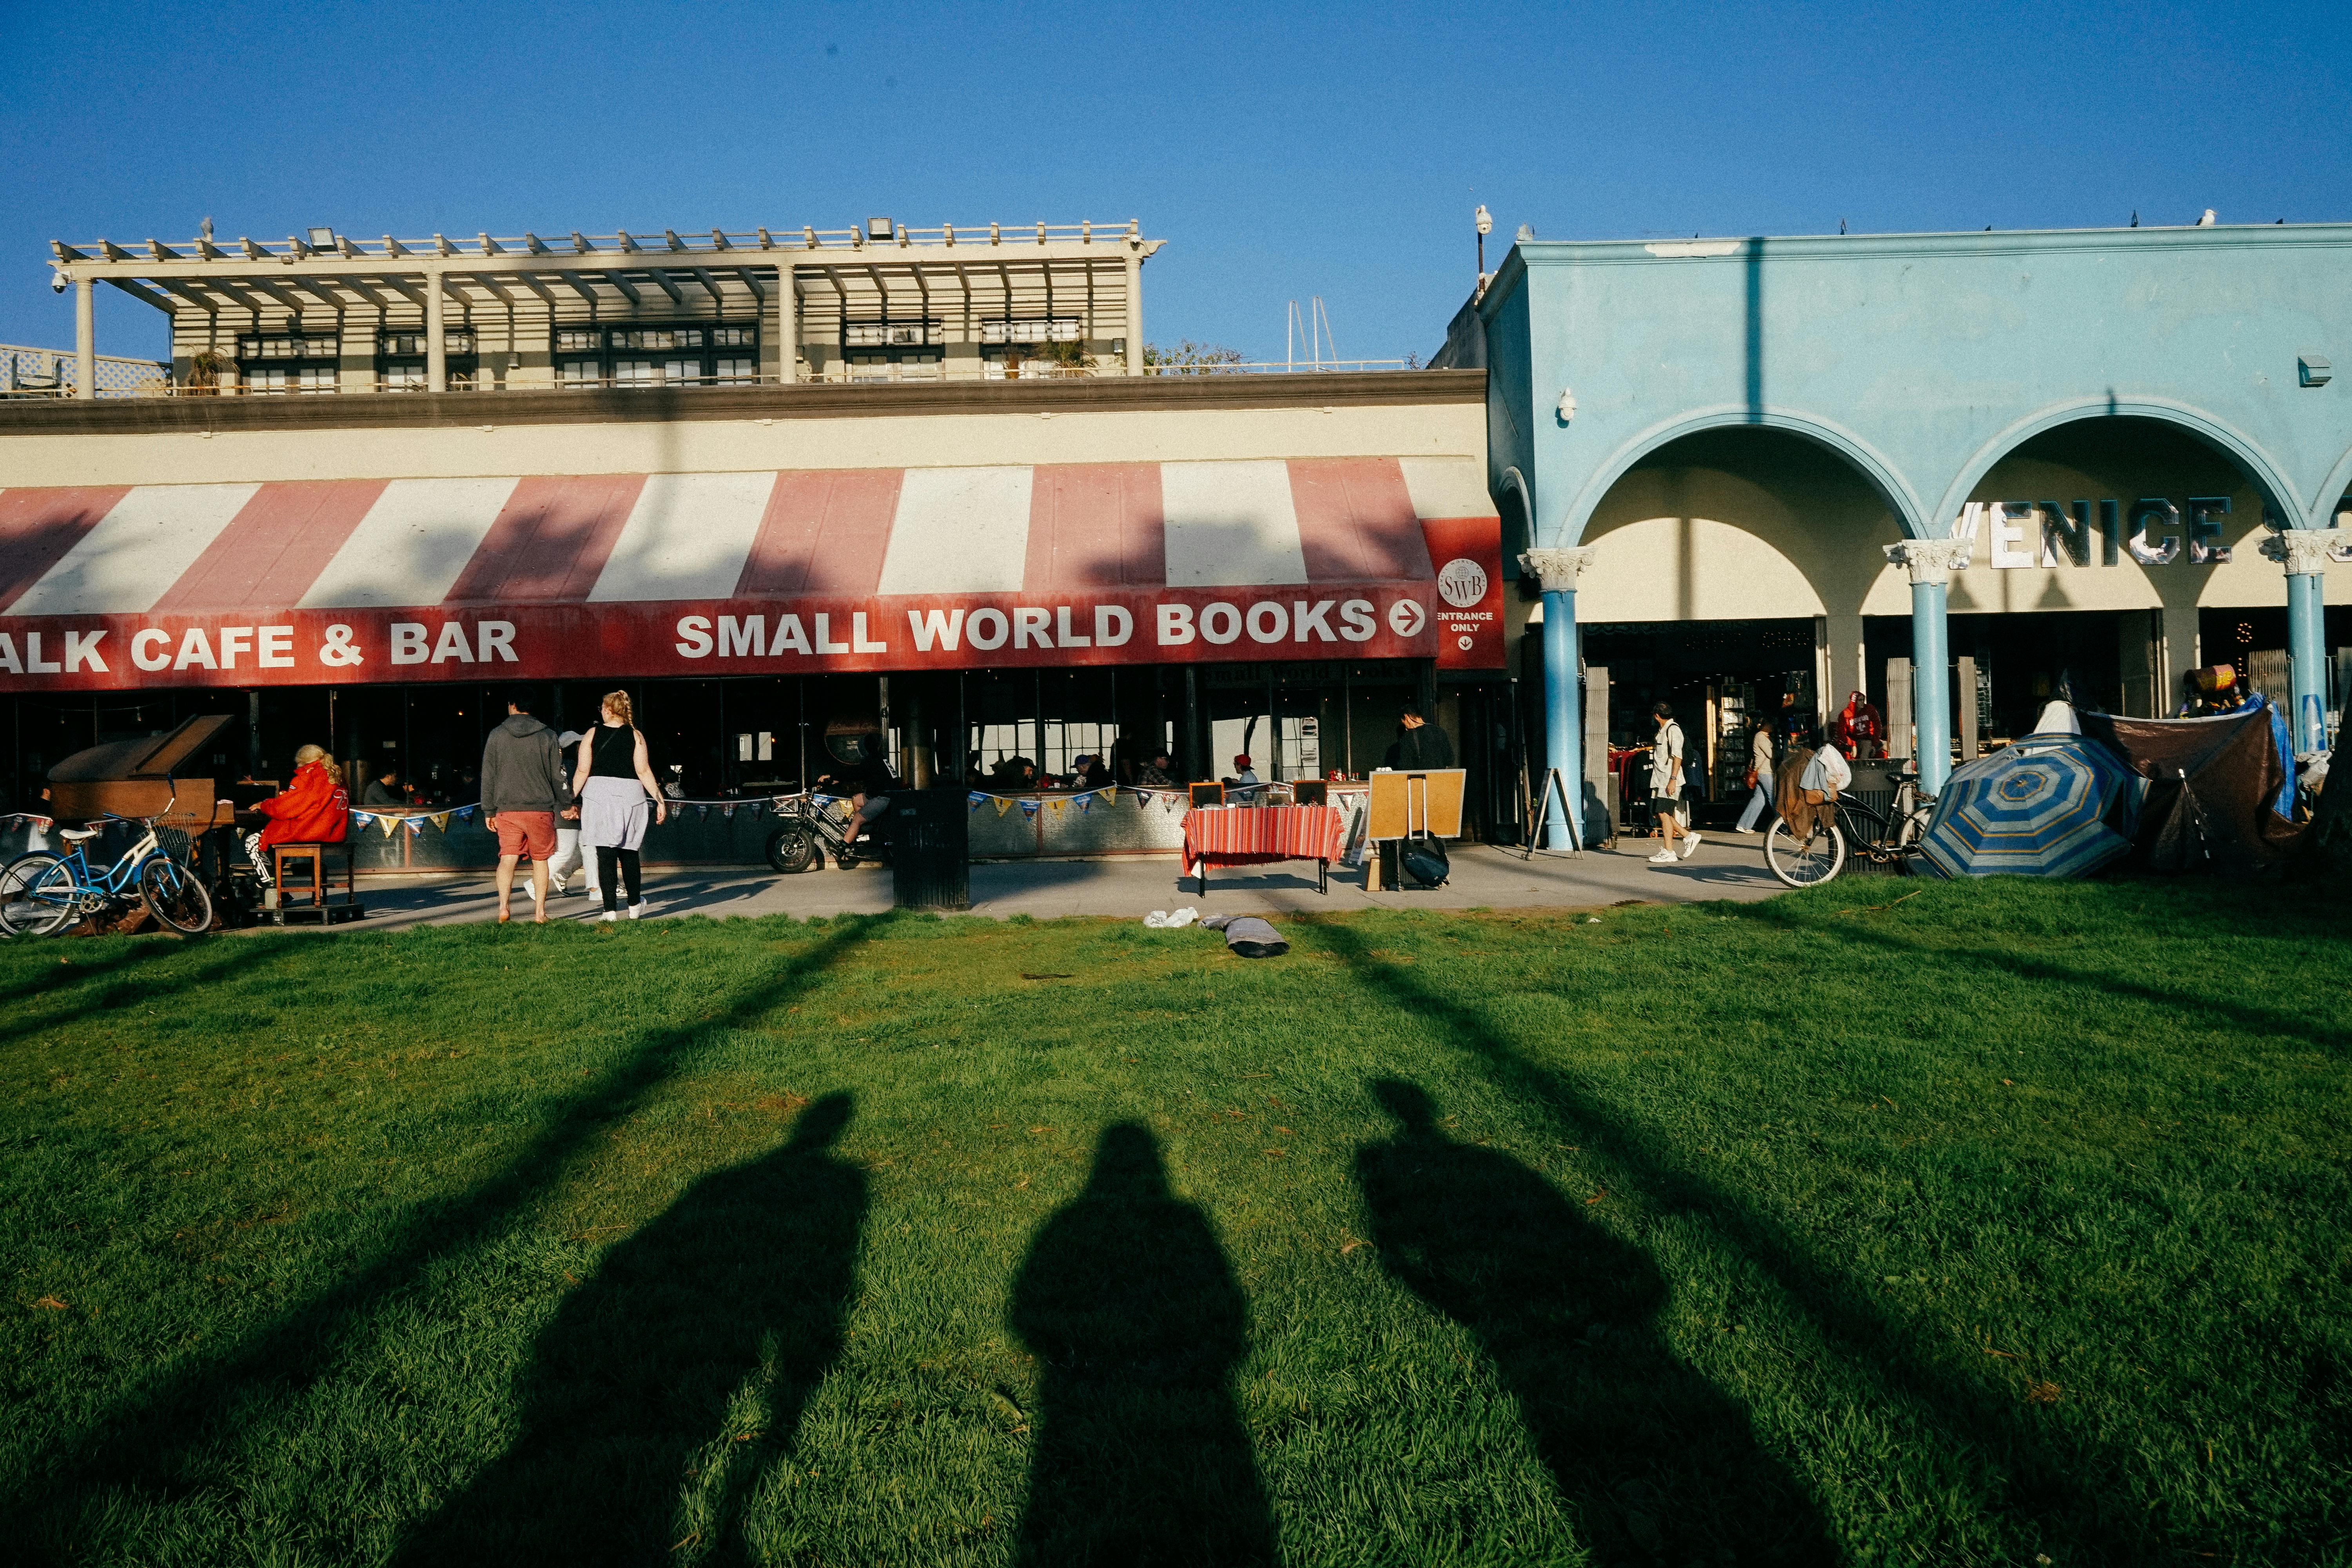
[{"x": 1486, "y": 221}]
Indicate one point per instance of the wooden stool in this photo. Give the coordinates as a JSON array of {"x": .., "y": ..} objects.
[{"x": 315, "y": 855}]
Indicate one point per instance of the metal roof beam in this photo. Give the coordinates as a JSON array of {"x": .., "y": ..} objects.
[{"x": 662, "y": 279}]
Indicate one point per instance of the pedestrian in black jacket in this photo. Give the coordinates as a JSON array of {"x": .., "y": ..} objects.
[{"x": 1422, "y": 746}]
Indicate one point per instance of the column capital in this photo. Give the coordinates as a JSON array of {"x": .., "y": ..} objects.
[
  {"x": 1558, "y": 568},
  {"x": 1931, "y": 559},
  {"x": 2306, "y": 551}
]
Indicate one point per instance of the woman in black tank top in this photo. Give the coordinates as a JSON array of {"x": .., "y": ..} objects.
[
  {"x": 612, "y": 752},
  {"x": 615, "y": 781}
]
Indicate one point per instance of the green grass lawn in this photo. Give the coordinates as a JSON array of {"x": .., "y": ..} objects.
[{"x": 2007, "y": 1223}]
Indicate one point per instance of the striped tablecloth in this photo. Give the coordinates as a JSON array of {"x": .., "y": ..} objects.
[{"x": 1251, "y": 834}]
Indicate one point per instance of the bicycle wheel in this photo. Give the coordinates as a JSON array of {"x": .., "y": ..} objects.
[
  {"x": 791, "y": 850},
  {"x": 174, "y": 897},
  {"x": 37, "y": 896},
  {"x": 1804, "y": 862}
]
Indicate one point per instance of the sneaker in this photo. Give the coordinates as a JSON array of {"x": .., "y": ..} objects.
[
  {"x": 1690, "y": 842},
  {"x": 1664, "y": 858},
  {"x": 636, "y": 908},
  {"x": 609, "y": 915}
]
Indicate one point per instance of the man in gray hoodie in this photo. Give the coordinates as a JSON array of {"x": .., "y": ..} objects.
[{"x": 524, "y": 791}]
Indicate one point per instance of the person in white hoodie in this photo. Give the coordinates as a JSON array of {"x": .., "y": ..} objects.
[{"x": 567, "y": 857}]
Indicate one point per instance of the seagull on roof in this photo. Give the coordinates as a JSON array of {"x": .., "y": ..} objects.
[{"x": 2207, "y": 221}]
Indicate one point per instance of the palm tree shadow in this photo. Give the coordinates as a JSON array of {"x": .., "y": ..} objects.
[
  {"x": 682, "y": 1366},
  {"x": 1660, "y": 1465},
  {"x": 1129, "y": 1305}
]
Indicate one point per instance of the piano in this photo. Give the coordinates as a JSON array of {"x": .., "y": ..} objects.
[{"x": 168, "y": 777}]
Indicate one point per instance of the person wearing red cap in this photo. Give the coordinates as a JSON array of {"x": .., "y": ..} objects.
[{"x": 1242, "y": 773}]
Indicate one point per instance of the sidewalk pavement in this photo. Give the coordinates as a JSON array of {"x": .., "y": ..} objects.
[{"x": 1483, "y": 878}]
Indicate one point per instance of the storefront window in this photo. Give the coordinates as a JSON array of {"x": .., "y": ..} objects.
[
  {"x": 290, "y": 362},
  {"x": 667, "y": 355},
  {"x": 400, "y": 362}
]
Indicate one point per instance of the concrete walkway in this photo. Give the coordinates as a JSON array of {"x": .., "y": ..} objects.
[{"x": 1483, "y": 878}]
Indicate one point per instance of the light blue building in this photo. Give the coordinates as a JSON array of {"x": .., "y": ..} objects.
[{"x": 2137, "y": 432}]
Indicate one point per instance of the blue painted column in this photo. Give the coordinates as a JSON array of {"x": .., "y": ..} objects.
[
  {"x": 1931, "y": 562},
  {"x": 1563, "y": 694},
  {"x": 1931, "y": 683},
  {"x": 2304, "y": 552}
]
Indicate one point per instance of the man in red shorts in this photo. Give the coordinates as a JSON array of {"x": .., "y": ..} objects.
[{"x": 524, "y": 791}]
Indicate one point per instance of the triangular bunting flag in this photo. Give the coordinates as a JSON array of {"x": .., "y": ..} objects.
[
  {"x": 442, "y": 822},
  {"x": 728, "y": 812},
  {"x": 364, "y": 817},
  {"x": 1003, "y": 803},
  {"x": 1057, "y": 807},
  {"x": 1086, "y": 803},
  {"x": 465, "y": 814},
  {"x": 391, "y": 825},
  {"x": 416, "y": 827},
  {"x": 1110, "y": 794},
  {"x": 1029, "y": 807}
]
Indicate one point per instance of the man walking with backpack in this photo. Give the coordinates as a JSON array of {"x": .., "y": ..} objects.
[{"x": 1667, "y": 781}]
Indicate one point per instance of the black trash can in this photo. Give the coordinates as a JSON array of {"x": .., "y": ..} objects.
[{"x": 930, "y": 860}]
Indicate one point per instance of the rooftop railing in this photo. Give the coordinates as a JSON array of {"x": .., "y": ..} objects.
[
  {"x": 29, "y": 373},
  {"x": 49, "y": 373},
  {"x": 707, "y": 243}
]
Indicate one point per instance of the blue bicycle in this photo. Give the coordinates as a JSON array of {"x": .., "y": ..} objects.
[{"x": 43, "y": 893}]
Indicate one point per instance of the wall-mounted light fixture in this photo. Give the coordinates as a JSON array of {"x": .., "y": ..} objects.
[
  {"x": 1567, "y": 404},
  {"x": 2314, "y": 370}
]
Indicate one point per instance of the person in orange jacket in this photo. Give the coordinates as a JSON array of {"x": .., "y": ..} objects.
[
  {"x": 313, "y": 809},
  {"x": 1859, "y": 732}
]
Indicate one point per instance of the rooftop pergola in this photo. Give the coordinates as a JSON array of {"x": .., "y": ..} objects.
[{"x": 879, "y": 270}]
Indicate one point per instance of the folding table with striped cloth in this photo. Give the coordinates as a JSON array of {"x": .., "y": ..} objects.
[{"x": 1255, "y": 834}]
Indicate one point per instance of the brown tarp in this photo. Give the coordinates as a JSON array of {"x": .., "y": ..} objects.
[
  {"x": 1790, "y": 800},
  {"x": 2213, "y": 787}
]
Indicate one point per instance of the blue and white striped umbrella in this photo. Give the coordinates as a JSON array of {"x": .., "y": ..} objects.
[{"x": 2050, "y": 805}]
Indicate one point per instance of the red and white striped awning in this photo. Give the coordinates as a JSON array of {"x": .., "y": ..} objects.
[{"x": 762, "y": 573}]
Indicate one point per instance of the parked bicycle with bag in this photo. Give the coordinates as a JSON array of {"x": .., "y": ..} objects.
[
  {"x": 1821, "y": 826},
  {"x": 44, "y": 892}
]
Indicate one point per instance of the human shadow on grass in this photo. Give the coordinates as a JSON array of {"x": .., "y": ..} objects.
[
  {"x": 2068, "y": 1487},
  {"x": 1127, "y": 1303},
  {"x": 1653, "y": 1458},
  {"x": 185, "y": 1432},
  {"x": 676, "y": 1375}
]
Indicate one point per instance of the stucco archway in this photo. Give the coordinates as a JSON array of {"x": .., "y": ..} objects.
[
  {"x": 2256, "y": 464},
  {"x": 1866, "y": 460}
]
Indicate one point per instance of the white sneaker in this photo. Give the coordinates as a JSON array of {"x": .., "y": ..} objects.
[
  {"x": 1664, "y": 858},
  {"x": 636, "y": 908},
  {"x": 609, "y": 915},
  {"x": 1690, "y": 842}
]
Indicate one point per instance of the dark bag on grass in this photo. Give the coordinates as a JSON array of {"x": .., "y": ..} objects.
[
  {"x": 1249, "y": 936},
  {"x": 1424, "y": 861}
]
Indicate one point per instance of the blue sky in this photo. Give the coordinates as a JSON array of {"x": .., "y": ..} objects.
[{"x": 1282, "y": 150}]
